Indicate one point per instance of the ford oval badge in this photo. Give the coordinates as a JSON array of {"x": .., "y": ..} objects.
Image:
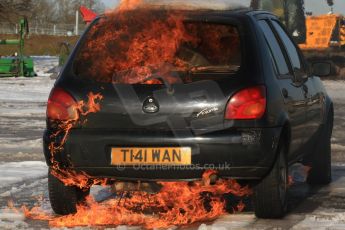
[{"x": 150, "y": 105}]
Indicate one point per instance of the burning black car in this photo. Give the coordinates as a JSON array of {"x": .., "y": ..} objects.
[{"x": 175, "y": 93}]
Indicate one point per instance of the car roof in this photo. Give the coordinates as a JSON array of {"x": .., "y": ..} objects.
[
  {"x": 261, "y": 13},
  {"x": 211, "y": 12}
]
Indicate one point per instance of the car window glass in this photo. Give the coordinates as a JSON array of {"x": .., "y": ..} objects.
[
  {"x": 111, "y": 52},
  {"x": 290, "y": 47},
  {"x": 275, "y": 48}
]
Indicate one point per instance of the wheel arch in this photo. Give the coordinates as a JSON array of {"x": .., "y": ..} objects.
[
  {"x": 285, "y": 133},
  {"x": 328, "y": 103},
  {"x": 328, "y": 113},
  {"x": 329, "y": 109}
]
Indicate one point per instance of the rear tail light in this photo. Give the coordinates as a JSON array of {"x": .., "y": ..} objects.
[
  {"x": 61, "y": 106},
  {"x": 249, "y": 103}
]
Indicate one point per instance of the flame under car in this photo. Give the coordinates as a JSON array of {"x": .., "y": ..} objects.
[{"x": 184, "y": 92}]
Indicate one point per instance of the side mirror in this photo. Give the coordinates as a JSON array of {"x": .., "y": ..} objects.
[{"x": 321, "y": 69}]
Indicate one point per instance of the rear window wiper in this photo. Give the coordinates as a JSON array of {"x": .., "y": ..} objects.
[{"x": 214, "y": 69}]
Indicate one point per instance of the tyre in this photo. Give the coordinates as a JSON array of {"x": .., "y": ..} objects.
[
  {"x": 321, "y": 164},
  {"x": 270, "y": 195},
  {"x": 64, "y": 199}
]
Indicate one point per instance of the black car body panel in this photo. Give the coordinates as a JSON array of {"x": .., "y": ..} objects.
[
  {"x": 237, "y": 154},
  {"x": 247, "y": 148}
]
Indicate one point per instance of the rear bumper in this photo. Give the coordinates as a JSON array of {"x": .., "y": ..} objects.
[{"x": 245, "y": 154}]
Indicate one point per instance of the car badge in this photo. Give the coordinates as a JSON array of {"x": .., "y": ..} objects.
[
  {"x": 207, "y": 111},
  {"x": 150, "y": 105}
]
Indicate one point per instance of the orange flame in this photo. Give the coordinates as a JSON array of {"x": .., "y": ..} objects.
[
  {"x": 128, "y": 5},
  {"x": 67, "y": 176},
  {"x": 129, "y": 46},
  {"x": 195, "y": 202},
  {"x": 145, "y": 44}
]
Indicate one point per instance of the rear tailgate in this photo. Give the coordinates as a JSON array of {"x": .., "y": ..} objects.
[{"x": 197, "y": 106}]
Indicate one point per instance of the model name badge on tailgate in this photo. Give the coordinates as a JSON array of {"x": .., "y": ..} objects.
[
  {"x": 151, "y": 156},
  {"x": 207, "y": 111}
]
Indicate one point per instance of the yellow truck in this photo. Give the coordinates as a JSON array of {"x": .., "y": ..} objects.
[{"x": 324, "y": 31}]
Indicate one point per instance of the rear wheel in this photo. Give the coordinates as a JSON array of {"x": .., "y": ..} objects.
[
  {"x": 64, "y": 199},
  {"x": 270, "y": 195},
  {"x": 321, "y": 165}
]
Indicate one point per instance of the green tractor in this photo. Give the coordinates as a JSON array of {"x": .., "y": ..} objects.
[{"x": 17, "y": 65}]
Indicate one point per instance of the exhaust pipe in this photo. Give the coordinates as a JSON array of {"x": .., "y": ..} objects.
[{"x": 151, "y": 187}]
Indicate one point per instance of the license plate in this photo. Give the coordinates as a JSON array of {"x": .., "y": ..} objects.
[{"x": 151, "y": 156}]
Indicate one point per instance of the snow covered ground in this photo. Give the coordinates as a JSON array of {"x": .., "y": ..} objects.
[
  {"x": 22, "y": 112},
  {"x": 15, "y": 172},
  {"x": 43, "y": 64},
  {"x": 23, "y": 172}
]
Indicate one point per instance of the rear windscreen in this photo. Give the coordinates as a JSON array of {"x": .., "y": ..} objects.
[{"x": 146, "y": 47}]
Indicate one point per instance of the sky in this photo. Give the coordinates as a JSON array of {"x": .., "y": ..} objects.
[{"x": 316, "y": 6}]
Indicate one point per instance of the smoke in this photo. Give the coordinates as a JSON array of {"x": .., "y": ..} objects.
[{"x": 190, "y": 5}]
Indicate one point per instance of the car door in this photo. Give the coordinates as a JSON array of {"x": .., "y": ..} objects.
[
  {"x": 294, "y": 100},
  {"x": 312, "y": 97}
]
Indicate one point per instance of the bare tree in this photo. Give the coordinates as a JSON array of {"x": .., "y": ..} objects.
[
  {"x": 45, "y": 11},
  {"x": 254, "y": 4},
  {"x": 12, "y": 10},
  {"x": 65, "y": 9}
]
